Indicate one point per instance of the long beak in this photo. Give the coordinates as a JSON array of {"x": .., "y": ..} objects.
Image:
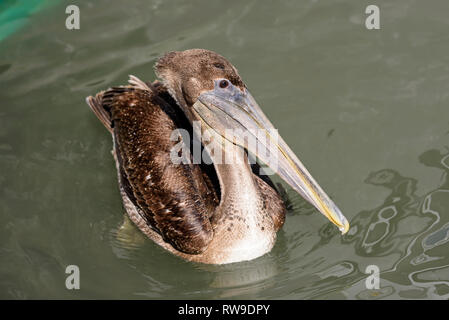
[{"x": 235, "y": 116}]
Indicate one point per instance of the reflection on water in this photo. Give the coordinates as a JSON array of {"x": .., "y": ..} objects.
[
  {"x": 406, "y": 237},
  {"x": 380, "y": 231},
  {"x": 367, "y": 113},
  {"x": 413, "y": 229}
]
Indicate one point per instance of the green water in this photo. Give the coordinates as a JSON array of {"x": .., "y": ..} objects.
[{"x": 366, "y": 111}]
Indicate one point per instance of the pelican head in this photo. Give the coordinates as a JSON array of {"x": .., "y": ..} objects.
[{"x": 209, "y": 89}]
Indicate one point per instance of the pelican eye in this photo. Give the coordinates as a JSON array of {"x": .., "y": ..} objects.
[
  {"x": 224, "y": 84},
  {"x": 219, "y": 66}
]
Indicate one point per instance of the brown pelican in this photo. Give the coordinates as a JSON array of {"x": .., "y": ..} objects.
[{"x": 220, "y": 213}]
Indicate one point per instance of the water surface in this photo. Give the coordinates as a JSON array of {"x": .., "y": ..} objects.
[{"x": 366, "y": 111}]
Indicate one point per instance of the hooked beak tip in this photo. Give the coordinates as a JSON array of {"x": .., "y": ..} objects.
[{"x": 344, "y": 228}]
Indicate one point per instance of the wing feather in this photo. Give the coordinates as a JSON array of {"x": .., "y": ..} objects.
[{"x": 174, "y": 198}]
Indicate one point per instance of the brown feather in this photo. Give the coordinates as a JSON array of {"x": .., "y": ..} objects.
[{"x": 170, "y": 196}]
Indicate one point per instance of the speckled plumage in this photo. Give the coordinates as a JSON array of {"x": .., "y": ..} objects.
[{"x": 183, "y": 207}]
